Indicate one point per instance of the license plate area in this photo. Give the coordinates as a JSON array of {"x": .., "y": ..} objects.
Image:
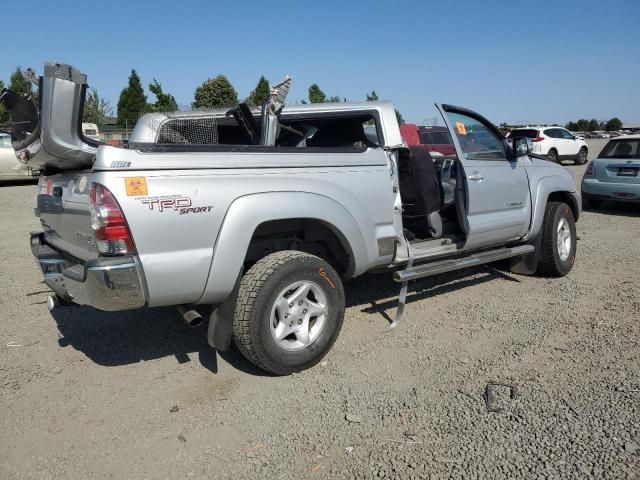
[{"x": 627, "y": 172}]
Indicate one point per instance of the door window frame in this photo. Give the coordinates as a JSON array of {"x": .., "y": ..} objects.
[{"x": 508, "y": 151}]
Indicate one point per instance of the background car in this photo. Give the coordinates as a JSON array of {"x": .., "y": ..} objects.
[
  {"x": 615, "y": 174},
  {"x": 11, "y": 168},
  {"x": 557, "y": 143},
  {"x": 435, "y": 139}
]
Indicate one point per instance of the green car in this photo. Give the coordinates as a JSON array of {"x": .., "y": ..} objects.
[{"x": 615, "y": 174}]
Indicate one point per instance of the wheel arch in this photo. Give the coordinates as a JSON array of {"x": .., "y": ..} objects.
[{"x": 251, "y": 214}]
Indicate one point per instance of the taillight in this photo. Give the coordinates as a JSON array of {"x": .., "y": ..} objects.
[
  {"x": 110, "y": 228},
  {"x": 538, "y": 139},
  {"x": 589, "y": 171}
]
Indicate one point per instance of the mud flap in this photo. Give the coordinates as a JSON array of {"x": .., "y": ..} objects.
[
  {"x": 528, "y": 264},
  {"x": 220, "y": 328}
]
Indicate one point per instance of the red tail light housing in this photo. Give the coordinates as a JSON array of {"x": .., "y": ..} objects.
[
  {"x": 110, "y": 228},
  {"x": 589, "y": 171},
  {"x": 538, "y": 139}
]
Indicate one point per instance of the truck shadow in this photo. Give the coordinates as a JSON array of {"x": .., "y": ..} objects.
[
  {"x": 120, "y": 338},
  {"x": 379, "y": 293}
]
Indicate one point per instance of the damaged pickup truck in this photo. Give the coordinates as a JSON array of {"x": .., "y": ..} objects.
[{"x": 261, "y": 212}]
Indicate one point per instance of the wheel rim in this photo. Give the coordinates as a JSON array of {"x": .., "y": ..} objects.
[
  {"x": 564, "y": 239},
  {"x": 552, "y": 155},
  {"x": 298, "y": 315},
  {"x": 583, "y": 155}
]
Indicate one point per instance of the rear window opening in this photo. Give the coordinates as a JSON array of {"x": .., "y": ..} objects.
[
  {"x": 524, "y": 132},
  {"x": 356, "y": 131},
  {"x": 621, "y": 149}
]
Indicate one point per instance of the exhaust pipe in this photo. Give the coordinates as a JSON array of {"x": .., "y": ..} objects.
[
  {"x": 190, "y": 316},
  {"x": 53, "y": 301}
]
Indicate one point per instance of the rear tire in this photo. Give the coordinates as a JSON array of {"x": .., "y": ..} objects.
[
  {"x": 553, "y": 155},
  {"x": 558, "y": 246},
  {"x": 581, "y": 159},
  {"x": 289, "y": 312}
]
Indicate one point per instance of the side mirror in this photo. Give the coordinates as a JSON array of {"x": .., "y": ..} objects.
[{"x": 522, "y": 146}]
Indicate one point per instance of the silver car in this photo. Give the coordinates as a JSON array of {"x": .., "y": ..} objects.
[
  {"x": 615, "y": 174},
  {"x": 10, "y": 167}
]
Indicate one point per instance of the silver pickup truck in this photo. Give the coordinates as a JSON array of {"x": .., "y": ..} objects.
[{"x": 261, "y": 212}]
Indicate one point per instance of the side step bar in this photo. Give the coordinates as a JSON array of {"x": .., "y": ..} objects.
[{"x": 443, "y": 266}]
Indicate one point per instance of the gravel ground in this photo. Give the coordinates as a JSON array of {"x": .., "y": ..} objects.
[{"x": 86, "y": 394}]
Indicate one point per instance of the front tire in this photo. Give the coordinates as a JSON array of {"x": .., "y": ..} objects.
[
  {"x": 289, "y": 312},
  {"x": 581, "y": 159},
  {"x": 558, "y": 240}
]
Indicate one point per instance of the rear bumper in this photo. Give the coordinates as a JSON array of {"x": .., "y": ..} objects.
[
  {"x": 623, "y": 192},
  {"x": 109, "y": 284}
]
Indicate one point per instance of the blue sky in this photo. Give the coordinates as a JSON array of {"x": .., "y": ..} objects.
[{"x": 543, "y": 61}]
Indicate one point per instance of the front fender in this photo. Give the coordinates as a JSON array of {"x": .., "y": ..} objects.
[
  {"x": 245, "y": 215},
  {"x": 546, "y": 187}
]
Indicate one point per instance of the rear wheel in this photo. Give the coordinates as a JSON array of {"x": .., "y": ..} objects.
[
  {"x": 553, "y": 155},
  {"x": 558, "y": 240},
  {"x": 581, "y": 159},
  {"x": 289, "y": 312}
]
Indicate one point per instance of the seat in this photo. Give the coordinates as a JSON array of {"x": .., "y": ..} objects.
[{"x": 420, "y": 192}]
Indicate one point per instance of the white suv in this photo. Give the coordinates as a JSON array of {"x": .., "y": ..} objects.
[{"x": 556, "y": 143}]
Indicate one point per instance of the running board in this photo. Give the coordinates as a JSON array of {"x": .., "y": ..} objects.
[{"x": 443, "y": 266}]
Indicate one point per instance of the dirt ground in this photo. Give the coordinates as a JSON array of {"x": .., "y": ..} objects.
[{"x": 86, "y": 394}]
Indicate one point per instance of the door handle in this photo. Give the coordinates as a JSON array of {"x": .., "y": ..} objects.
[{"x": 476, "y": 176}]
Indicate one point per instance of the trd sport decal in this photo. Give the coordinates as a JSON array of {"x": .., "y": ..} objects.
[{"x": 177, "y": 203}]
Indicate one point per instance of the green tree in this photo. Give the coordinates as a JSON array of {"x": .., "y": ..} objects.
[
  {"x": 335, "y": 99},
  {"x": 96, "y": 109},
  {"x": 594, "y": 125},
  {"x": 215, "y": 92},
  {"x": 18, "y": 83},
  {"x": 165, "y": 102},
  {"x": 4, "y": 115},
  {"x": 373, "y": 97},
  {"x": 573, "y": 126},
  {"x": 316, "y": 95},
  {"x": 400, "y": 117},
  {"x": 583, "y": 125},
  {"x": 261, "y": 92},
  {"x": 613, "y": 124},
  {"x": 132, "y": 102}
]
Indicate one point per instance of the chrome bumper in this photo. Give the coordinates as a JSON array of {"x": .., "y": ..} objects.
[{"x": 109, "y": 284}]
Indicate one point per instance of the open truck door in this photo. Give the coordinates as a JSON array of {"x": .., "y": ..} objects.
[{"x": 488, "y": 166}]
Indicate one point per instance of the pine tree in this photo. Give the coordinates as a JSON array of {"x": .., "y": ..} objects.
[
  {"x": 132, "y": 102},
  {"x": 165, "y": 102},
  {"x": 18, "y": 83},
  {"x": 4, "y": 115},
  {"x": 260, "y": 93}
]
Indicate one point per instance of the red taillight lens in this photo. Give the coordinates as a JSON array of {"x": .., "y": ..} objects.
[
  {"x": 538, "y": 139},
  {"x": 589, "y": 171},
  {"x": 110, "y": 228}
]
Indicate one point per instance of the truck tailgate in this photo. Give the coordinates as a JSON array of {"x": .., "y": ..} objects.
[{"x": 65, "y": 215}]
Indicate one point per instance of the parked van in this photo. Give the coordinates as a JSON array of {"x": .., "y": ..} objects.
[{"x": 90, "y": 131}]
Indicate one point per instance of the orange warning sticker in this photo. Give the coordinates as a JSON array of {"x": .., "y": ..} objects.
[
  {"x": 462, "y": 130},
  {"x": 136, "y": 185}
]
